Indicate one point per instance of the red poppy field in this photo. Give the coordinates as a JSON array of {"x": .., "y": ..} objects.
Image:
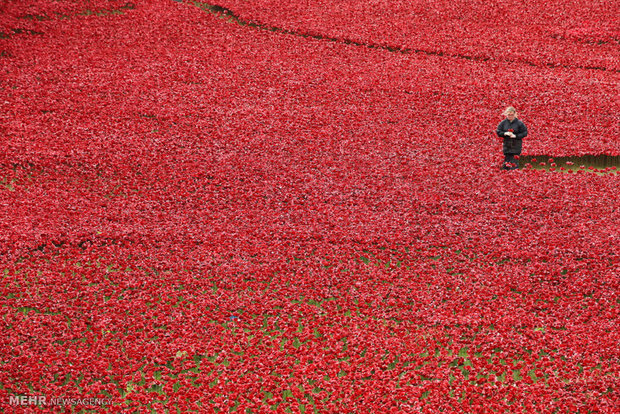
[{"x": 297, "y": 207}]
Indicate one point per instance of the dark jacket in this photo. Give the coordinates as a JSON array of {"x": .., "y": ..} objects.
[{"x": 517, "y": 127}]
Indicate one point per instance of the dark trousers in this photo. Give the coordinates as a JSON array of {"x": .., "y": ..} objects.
[{"x": 510, "y": 162}]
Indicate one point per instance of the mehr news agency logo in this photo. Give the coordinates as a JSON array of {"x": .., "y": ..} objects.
[{"x": 43, "y": 401}]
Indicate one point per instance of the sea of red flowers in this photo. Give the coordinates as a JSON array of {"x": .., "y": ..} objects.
[{"x": 297, "y": 207}]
